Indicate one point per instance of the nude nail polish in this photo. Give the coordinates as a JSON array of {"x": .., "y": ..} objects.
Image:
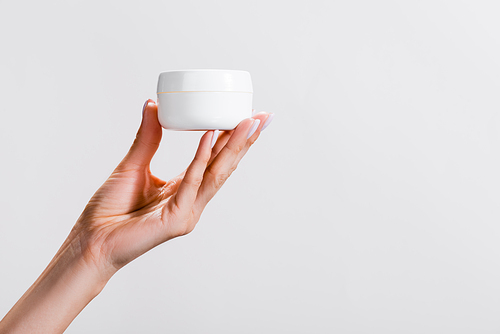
[
  {"x": 268, "y": 121},
  {"x": 214, "y": 138},
  {"x": 253, "y": 128}
]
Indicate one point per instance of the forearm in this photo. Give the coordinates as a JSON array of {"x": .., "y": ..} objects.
[{"x": 61, "y": 292}]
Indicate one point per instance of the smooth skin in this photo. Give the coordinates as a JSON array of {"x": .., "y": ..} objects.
[{"x": 132, "y": 212}]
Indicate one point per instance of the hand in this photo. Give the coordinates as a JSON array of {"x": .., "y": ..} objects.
[
  {"x": 131, "y": 213},
  {"x": 135, "y": 211}
]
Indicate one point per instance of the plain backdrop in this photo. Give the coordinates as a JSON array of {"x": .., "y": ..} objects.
[{"x": 370, "y": 205}]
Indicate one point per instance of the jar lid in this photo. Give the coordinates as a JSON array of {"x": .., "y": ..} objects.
[{"x": 204, "y": 81}]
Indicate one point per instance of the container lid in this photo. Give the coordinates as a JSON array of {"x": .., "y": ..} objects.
[{"x": 204, "y": 81}]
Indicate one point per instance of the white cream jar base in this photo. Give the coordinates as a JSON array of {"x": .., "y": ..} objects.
[
  {"x": 204, "y": 99},
  {"x": 203, "y": 110}
]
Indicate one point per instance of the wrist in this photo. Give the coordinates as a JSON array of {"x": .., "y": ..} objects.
[
  {"x": 83, "y": 258},
  {"x": 61, "y": 292}
]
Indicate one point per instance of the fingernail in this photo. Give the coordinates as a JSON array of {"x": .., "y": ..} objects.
[
  {"x": 148, "y": 101},
  {"x": 214, "y": 138},
  {"x": 253, "y": 112},
  {"x": 268, "y": 121},
  {"x": 253, "y": 128}
]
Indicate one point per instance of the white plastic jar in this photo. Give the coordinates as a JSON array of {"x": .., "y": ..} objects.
[{"x": 204, "y": 99}]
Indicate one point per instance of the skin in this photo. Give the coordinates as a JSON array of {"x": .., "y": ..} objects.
[{"x": 132, "y": 212}]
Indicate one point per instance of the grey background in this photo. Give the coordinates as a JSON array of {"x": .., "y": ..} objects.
[{"x": 370, "y": 205}]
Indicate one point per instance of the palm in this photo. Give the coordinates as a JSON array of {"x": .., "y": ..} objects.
[
  {"x": 135, "y": 211},
  {"x": 127, "y": 209}
]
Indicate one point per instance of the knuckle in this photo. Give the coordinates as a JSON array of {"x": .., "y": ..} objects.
[
  {"x": 194, "y": 181},
  {"x": 218, "y": 177},
  {"x": 235, "y": 148},
  {"x": 232, "y": 169},
  {"x": 253, "y": 140},
  {"x": 141, "y": 141}
]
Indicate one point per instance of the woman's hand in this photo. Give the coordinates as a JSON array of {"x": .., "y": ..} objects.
[
  {"x": 134, "y": 211},
  {"x": 131, "y": 213}
]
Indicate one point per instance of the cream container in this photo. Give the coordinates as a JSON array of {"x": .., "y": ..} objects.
[{"x": 204, "y": 99}]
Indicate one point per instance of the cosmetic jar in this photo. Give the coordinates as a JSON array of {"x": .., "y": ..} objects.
[{"x": 204, "y": 99}]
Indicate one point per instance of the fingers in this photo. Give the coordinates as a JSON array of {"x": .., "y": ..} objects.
[
  {"x": 221, "y": 142},
  {"x": 193, "y": 178},
  {"x": 264, "y": 122},
  {"x": 225, "y": 160},
  {"x": 147, "y": 139},
  {"x": 225, "y": 135}
]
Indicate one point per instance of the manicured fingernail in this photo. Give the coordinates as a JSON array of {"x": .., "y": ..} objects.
[
  {"x": 253, "y": 128},
  {"x": 147, "y": 103},
  {"x": 268, "y": 121},
  {"x": 214, "y": 138}
]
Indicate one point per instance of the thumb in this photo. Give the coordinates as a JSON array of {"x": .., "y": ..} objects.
[{"x": 147, "y": 139}]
